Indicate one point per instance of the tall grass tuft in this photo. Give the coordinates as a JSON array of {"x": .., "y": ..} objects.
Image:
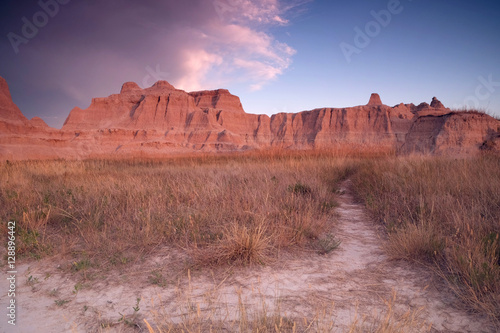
[{"x": 239, "y": 245}]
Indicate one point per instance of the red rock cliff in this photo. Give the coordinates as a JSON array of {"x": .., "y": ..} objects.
[{"x": 163, "y": 120}]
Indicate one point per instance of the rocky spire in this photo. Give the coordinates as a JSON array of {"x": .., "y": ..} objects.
[
  {"x": 374, "y": 100},
  {"x": 436, "y": 103},
  {"x": 129, "y": 86}
]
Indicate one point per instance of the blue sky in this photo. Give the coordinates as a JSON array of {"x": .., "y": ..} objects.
[{"x": 277, "y": 56}]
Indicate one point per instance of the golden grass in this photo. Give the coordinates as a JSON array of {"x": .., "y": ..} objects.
[
  {"x": 444, "y": 212},
  {"x": 239, "y": 244},
  {"x": 248, "y": 208},
  {"x": 254, "y": 313},
  {"x": 219, "y": 209},
  {"x": 388, "y": 321}
]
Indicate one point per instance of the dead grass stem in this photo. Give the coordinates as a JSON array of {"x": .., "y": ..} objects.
[{"x": 444, "y": 212}]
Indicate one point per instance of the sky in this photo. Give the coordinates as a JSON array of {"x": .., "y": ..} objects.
[{"x": 276, "y": 55}]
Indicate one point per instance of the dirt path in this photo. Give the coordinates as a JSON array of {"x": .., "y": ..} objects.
[{"x": 351, "y": 283}]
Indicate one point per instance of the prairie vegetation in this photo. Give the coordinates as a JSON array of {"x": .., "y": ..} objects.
[
  {"x": 249, "y": 209},
  {"x": 220, "y": 210},
  {"x": 441, "y": 212},
  {"x": 265, "y": 317}
]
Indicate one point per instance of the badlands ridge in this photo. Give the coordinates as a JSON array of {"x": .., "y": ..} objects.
[{"x": 161, "y": 120}]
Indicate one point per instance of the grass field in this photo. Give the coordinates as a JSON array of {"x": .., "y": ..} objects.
[
  {"x": 444, "y": 213},
  {"x": 249, "y": 209},
  {"x": 219, "y": 209}
]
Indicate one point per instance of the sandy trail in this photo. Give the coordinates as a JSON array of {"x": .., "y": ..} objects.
[{"x": 351, "y": 282}]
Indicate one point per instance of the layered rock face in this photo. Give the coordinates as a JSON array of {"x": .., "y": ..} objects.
[
  {"x": 9, "y": 112},
  {"x": 453, "y": 134},
  {"x": 162, "y": 120},
  {"x": 21, "y": 138},
  {"x": 163, "y": 117},
  {"x": 159, "y": 107}
]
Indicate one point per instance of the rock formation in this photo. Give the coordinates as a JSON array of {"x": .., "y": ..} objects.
[
  {"x": 162, "y": 120},
  {"x": 454, "y": 133},
  {"x": 436, "y": 104},
  {"x": 374, "y": 100},
  {"x": 9, "y": 112},
  {"x": 39, "y": 123}
]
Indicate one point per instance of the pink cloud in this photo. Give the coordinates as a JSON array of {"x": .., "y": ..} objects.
[
  {"x": 238, "y": 45},
  {"x": 197, "y": 63}
]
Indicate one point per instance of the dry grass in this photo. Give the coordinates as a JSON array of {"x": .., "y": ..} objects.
[
  {"x": 420, "y": 241},
  {"x": 247, "y": 209},
  {"x": 254, "y": 313},
  {"x": 444, "y": 212},
  {"x": 240, "y": 209},
  {"x": 239, "y": 244},
  {"x": 388, "y": 321},
  {"x": 469, "y": 110}
]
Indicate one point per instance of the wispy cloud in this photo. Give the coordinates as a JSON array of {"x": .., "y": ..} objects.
[
  {"x": 231, "y": 52},
  {"x": 237, "y": 37},
  {"x": 250, "y": 11},
  {"x": 197, "y": 64},
  {"x": 194, "y": 44}
]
